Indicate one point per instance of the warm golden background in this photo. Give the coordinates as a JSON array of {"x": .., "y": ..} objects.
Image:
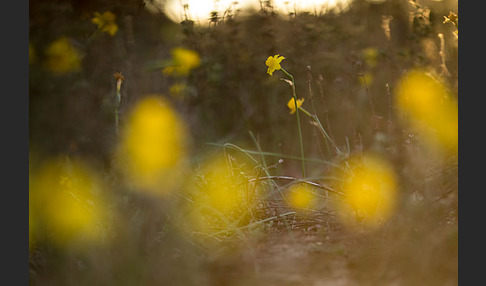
[{"x": 165, "y": 146}]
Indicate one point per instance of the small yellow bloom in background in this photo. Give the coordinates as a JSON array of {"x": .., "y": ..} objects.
[
  {"x": 301, "y": 196},
  {"x": 67, "y": 204},
  {"x": 430, "y": 109},
  {"x": 105, "y": 22},
  {"x": 153, "y": 146},
  {"x": 291, "y": 104},
  {"x": 452, "y": 17},
  {"x": 63, "y": 57},
  {"x": 183, "y": 61},
  {"x": 273, "y": 63},
  {"x": 371, "y": 193}
]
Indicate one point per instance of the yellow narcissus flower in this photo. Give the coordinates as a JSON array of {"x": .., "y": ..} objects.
[
  {"x": 451, "y": 18},
  {"x": 273, "y": 63},
  {"x": 106, "y": 22},
  {"x": 291, "y": 104}
]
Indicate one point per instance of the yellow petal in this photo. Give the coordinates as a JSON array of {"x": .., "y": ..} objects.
[
  {"x": 291, "y": 104},
  {"x": 273, "y": 63}
]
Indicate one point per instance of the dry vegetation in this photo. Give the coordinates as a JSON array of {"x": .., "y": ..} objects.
[{"x": 190, "y": 183}]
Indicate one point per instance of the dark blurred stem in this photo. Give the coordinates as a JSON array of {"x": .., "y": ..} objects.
[
  {"x": 117, "y": 107},
  {"x": 298, "y": 121},
  {"x": 390, "y": 123},
  {"x": 368, "y": 94}
]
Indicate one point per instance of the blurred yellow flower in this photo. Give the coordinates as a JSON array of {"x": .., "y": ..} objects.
[
  {"x": 430, "y": 109},
  {"x": 273, "y": 63},
  {"x": 105, "y": 22},
  {"x": 183, "y": 61},
  {"x": 371, "y": 193},
  {"x": 224, "y": 195},
  {"x": 301, "y": 196},
  {"x": 67, "y": 199},
  {"x": 370, "y": 56},
  {"x": 63, "y": 57},
  {"x": 291, "y": 104},
  {"x": 153, "y": 145}
]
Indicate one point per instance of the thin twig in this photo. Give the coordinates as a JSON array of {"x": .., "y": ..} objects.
[
  {"x": 301, "y": 181},
  {"x": 368, "y": 94},
  {"x": 390, "y": 123},
  {"x": 250, "y": 225},
  {"x": 119, "y": 80},
  {"x": 311, "y": 98}
]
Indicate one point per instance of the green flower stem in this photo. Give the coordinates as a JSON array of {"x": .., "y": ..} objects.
[
  {"x": 298, "y": 121},
  {"x": 117, "y": 106},
  {"x": 316, "y": 119}
]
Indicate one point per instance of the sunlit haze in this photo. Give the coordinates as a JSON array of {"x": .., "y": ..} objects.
[{"x": 200, "y": 10}]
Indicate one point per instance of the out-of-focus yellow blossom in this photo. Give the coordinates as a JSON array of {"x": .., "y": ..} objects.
[
  {"x": 183, "y": 61},
  {"x": 224, "y": 196},
  {"x": 153, "y": 146},
  {"x": 370, "y": 56},
  {"x": 432, "y": 111},
  {"x": 273, "y": 63},
  {"x": 291, "y": 104},
  {"x": 105, "y": 22},
  {"x": 178, "y": 90},
  {"x": 371, "y": 193},
  {"x": 63, "y": 57},
  {"x": 301, "y": 196},
  {"x": 67, "y": 202}
]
